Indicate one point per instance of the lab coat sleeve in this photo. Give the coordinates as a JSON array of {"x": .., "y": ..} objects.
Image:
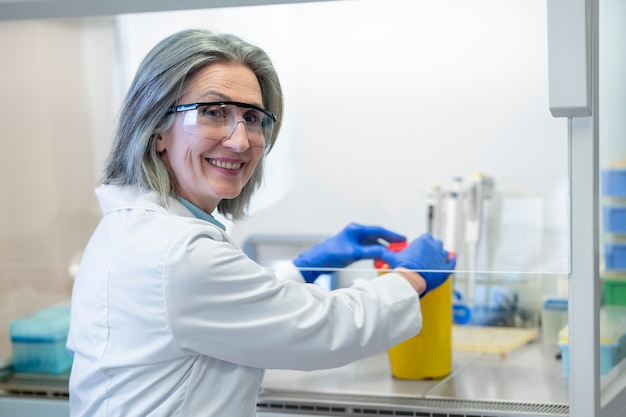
[
  {"x": 221, "y": 304},
  {"x": 288, "y": 272}
]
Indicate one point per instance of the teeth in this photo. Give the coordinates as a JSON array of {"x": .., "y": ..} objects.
[{"x": 226, "y": 165}]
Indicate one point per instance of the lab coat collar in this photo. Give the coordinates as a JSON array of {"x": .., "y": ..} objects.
[
  {"x": 201, "y": 214},
  {"x": 116, "y": 197}
]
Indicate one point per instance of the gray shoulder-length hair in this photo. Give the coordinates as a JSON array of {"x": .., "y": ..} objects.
[{"x": 158, "y": 84}]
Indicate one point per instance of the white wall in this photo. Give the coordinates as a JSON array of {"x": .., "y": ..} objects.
[
  {"x": 384, "y": 99},
  {"x": 54, "y": 121}
]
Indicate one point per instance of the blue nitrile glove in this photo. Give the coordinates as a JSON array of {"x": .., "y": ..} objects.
[
  {"x": 424, "y": 253},
  {"x": 354, "y": 243}
]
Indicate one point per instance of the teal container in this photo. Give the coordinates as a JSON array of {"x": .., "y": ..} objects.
[{"x": 38, "y": 341}]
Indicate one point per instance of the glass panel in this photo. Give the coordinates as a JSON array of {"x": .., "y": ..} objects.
[
  {"x": 416, "y": 101},
  {"x": 414, "y": 96},
  {"x": 612, "y": 67}
]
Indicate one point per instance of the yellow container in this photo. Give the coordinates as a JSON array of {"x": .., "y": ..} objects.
[{"x": 429, "y": 354}]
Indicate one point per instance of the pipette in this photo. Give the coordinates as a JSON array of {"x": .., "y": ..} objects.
[
  {"x": 433, "y": 206},
  {"x": 452, "y": 227},
  {"x": 480, "y": 188}
]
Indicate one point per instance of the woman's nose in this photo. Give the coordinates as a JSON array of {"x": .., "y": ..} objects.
[{"x": 238, "y": 137}]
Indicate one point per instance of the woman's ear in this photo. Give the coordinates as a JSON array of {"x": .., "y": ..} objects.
[{"x": 159, "y": 144}]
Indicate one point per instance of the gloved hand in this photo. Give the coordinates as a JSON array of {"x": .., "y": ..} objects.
[
  {"x": 354, "y": 243},
  {"x": 426, "y": 255}
]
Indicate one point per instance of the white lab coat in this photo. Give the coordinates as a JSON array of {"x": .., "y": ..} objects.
[{"x": 170, "y": 318}]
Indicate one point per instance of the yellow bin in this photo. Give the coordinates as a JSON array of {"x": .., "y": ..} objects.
[{"x": 429, "y": 354}]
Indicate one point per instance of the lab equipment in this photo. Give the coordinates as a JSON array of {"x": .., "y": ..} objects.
[
  {"x": 38, "y": 341},
  {"x": 479, "y": 189},
  {"x": 462, "y": 212},
  {"x": 355, "y": 242},
  {"x": 429, "y": 354},
  {"x": 461, "y": 219},
  {"x": 452, "y": 229},
  {"x": 380, "y": 264},
  {"x": 493, "y": 305},
  {"x": 461, "y": 312},
  {"x": 434, "y": 200}
]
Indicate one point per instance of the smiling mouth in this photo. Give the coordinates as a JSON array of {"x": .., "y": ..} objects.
[{"x": 225, "y": 165}]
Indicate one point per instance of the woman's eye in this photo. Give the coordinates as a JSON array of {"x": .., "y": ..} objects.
[
  {"x": 252, "y": 118},
  {"x": 213, "y": 112}
]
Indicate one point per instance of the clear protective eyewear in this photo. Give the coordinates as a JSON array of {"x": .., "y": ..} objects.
[{"x": 218, "y": 120}]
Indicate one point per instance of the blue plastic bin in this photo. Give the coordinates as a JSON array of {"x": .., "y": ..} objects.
[
  {"x": 614, "y": 219},
  {"x": 613, "y": 182},
  {"x": 38, "y": 341},
  {"x": 615, "y": 255}
]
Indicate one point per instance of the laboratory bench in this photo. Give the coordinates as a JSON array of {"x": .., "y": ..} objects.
[{"x": 527, "y": 380}]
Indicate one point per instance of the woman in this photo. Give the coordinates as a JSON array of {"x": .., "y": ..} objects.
[{"x": 169, "y": 317}]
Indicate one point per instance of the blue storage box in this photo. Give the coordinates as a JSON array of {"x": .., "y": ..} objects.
[
  {"x": 615, "y": 255},
  {"x": 613, "y": 182},
  {"x": 38, "y": 341},
  {"x": 614, "y": 219}
]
